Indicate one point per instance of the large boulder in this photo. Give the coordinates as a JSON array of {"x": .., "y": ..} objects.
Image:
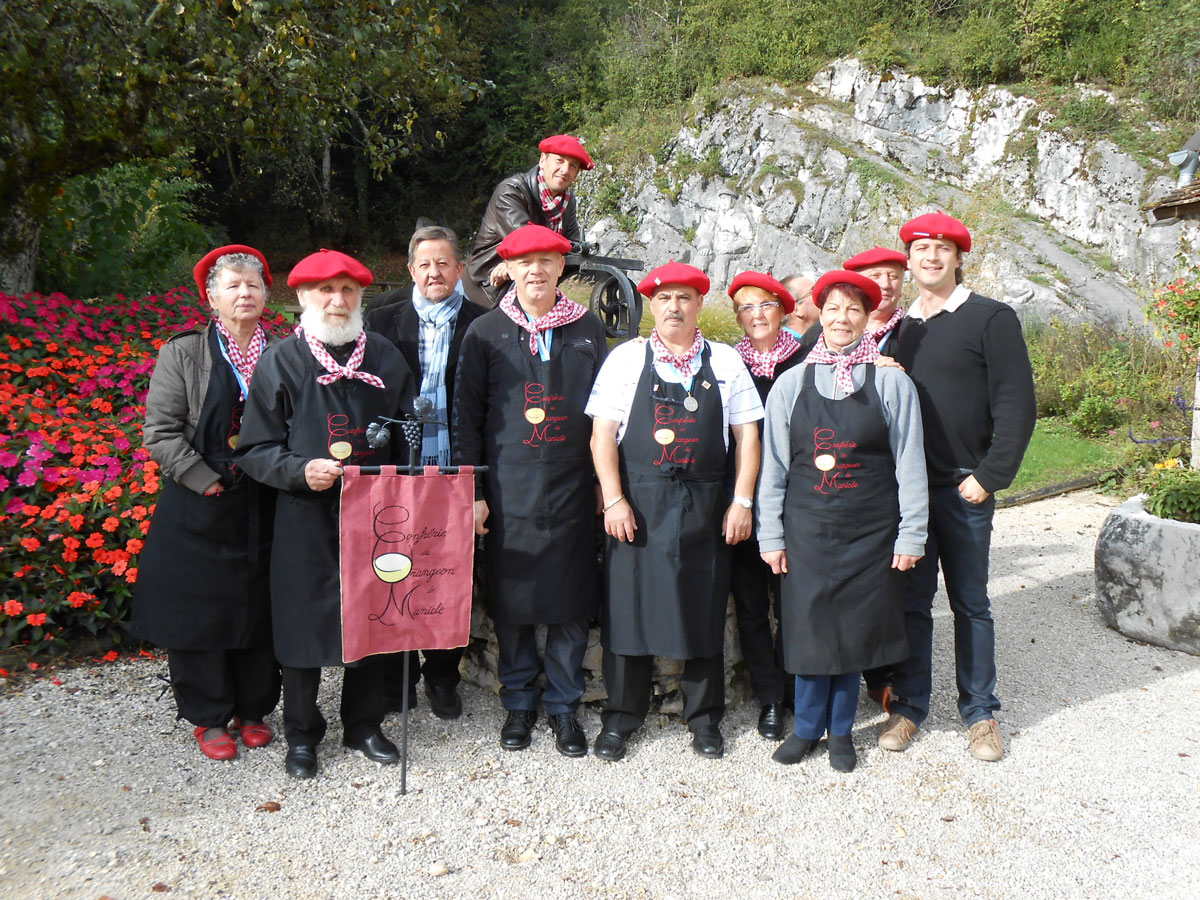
[{"x": 1146, "y": 583}]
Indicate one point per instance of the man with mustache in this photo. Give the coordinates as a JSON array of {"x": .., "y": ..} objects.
[
  {"x": 541, "y": 196},
  {"x": 427, "y": 325},
  {"x": 662, "y": 413},
  {"x": 307, "y": 411}
]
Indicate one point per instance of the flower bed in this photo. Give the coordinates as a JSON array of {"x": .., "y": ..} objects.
[{"x": 77, "y": 489}]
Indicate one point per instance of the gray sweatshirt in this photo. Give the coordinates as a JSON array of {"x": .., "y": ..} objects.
[{"x": 901, "y": 412}]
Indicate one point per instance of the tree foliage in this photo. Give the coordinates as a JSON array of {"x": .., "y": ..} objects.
[{"x": 88, "y": 84}]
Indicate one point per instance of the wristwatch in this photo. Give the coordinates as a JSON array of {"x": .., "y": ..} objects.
[{"x": 745, "y": 502}]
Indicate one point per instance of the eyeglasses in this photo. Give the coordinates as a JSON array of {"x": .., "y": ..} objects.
[{"x": 760, "y": 307}]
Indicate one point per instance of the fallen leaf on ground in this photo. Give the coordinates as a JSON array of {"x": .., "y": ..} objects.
[{"x": 269, "y": 806}]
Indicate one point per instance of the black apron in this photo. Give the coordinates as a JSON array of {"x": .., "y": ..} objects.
[
  {"x": 668, "y": 590},
  {"x": 203, "y": 576},
  {"x": 843, "y": 603},
  {"x": 540, "y": 485}
]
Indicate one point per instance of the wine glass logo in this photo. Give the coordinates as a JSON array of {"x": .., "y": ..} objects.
[
  {"x": 390, "y": 565},
  {"x": 339, "y": 449}
]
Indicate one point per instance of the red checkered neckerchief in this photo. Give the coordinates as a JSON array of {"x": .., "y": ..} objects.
[
  {"x": 244, "y": 362},
  {"x": 763, "y": 364},
  {"x": 333, "y": 368},
  {"x": 686, "y": 364},
  {"x": 553, "y": 204},
  {"x": 877, "y": 334},
  {"x": 867, "y": 351},
  {"x": 563, "y": 312}
]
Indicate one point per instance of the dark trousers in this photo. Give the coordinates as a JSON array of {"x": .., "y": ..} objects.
[
  {"x": 440, "y": 667},
  {"x": 960, "y": 535},
  {"x": 627, "y": 680},
  {"x": 362, "y": 708},
  {"x": 517, "y": 666},
  {"x": 825, "y": 703},
  {"x": 753, "y": 588},
  {"x": 213, "y": 686}
]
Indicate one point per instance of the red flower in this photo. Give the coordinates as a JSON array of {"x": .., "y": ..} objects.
[
  {"x": 36, "y": 619},
  {"x": 30, "y": 543},
  {"x": 112, "y": 523},
  {"x": 111, "y": 656},
  {"x": 13, "y": 608}
]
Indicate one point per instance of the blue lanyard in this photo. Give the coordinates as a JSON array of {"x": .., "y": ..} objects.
[
  {"x": 543, "y": 338},
  {"x": 245, "y": 388},
  {"x": 884, "y": 340}
]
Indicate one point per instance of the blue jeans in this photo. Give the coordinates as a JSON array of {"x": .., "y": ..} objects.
[
  {"x": 517, "y": 666},
  {"x": 960, "y": 536},
  {"x": 825, "y": 703}
]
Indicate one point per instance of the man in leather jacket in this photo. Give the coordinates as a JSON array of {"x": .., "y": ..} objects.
[{"x": 541, "y": 196}]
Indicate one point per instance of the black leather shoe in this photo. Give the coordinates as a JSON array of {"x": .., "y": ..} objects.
[
  {"x": 568, "y": 736},
  {"x": 301, "y": 761},
  {"x": 515, "y": 732},
  {"x": 376, "y": 748},
  {"x": 793, "y": 750},
  {"x": 443, "y": 700},
  {"x": 707, "y": 741},
  {"x": 610, "y": 745},
  {"x": 771, "y": 722},
  {"x": 841, "y": 753}
]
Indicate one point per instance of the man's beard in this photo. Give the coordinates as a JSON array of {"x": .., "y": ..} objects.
[{"x": 335, "y": 333}]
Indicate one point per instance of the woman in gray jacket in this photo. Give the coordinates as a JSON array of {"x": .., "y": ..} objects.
[{"x": 202, "y": 589}]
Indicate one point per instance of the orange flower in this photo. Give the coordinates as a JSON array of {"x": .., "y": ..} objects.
[
  {"x": 36, "y": 619},
  {"x": 112, "y": 523},
  {"x": 30, "y": 543},
  {"x": 134, "y": 545},
  {"x": 13, "y": 608},
  {"x": 95, "y": 539}
]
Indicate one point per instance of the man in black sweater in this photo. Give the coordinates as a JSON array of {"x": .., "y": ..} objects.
[{"x": 967, "y": 356}]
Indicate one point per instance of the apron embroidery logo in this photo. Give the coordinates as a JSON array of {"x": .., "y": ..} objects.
[
  {"x": 827, "y": 450},
  {"x": 338, "y": 447},
  {"x": 547, "y": 429},
  {"x": 669, "y": 432}
]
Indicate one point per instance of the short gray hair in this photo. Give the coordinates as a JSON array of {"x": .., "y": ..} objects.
[
  {"x": 239, "y": 262},
  {"x": 435, "y": 233}
]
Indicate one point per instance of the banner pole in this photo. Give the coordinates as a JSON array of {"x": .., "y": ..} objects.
[{"x": 404, "y": 732}]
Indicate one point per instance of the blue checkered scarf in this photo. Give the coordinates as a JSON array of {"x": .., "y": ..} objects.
[{"x": 437, "y": 328}]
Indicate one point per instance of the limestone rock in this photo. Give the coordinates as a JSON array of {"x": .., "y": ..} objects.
[{"x": 1146, "y": 586}]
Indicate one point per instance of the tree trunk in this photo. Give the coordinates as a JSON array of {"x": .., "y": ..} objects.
[{"x": 19, "y": 233}]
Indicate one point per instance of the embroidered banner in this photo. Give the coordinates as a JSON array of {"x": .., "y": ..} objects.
[{"x": 407, "y": 549}]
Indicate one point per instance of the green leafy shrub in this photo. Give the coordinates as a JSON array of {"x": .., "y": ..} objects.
[
  {"x": 130, "y": 227},
  {"x": 1174, "y": 493},
  {"x": 1103, "y": 380}
]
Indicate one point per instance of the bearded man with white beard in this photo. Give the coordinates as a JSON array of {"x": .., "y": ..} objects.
[{"x": 306, "y": 416}]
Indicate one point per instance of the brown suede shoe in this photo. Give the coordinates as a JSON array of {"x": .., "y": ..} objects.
[
  {"x": 985, "y": 741},
  {"x": 897, "y": 732}
]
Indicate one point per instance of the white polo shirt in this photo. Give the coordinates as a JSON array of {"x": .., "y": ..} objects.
[{"x": 612, "y": 394}]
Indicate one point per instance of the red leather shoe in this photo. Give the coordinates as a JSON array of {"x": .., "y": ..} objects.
[
  {"x": 220, "y": 747},
  {"x": 254, "y": 734}
]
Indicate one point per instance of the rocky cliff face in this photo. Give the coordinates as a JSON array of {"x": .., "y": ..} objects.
[{"x": 799, "y": 181}]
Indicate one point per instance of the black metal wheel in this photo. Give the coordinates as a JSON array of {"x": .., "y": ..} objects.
[{"x": 618, "y": 305}]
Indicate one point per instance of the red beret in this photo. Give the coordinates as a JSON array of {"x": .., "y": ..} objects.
[
  {"x": 767, "y": 283},
  {"x": 532, "y": 239},
  {"x": 326, "y": 264},
  {"x": 200, "y": 272},
  {"x": 566, "y": 145},
  {"x": 937, "y": 225},
  {"x": 674, "y": 273},
  {"x": 845, "y": 276},
  {"x": 876, "y": 256}
]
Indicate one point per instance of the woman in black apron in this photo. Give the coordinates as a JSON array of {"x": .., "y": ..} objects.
[
  {"x": 202, "y": 588},
  {"x": 842, "y": 514},
  {"x": 762, "y": 304}
]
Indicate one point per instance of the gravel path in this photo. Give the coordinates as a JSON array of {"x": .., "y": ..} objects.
[{"x": 1099, "y": 795}]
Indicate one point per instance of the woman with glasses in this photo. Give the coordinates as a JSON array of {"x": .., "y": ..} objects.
[{"x": 762, "y": 304}]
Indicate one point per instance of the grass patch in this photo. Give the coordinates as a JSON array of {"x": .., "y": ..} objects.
[{"x": 1057, "y": 453}]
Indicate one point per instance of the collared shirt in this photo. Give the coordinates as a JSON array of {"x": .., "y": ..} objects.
[
  {"x": 612, "y": 394},
  {"x": 956, "y": 299}
]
